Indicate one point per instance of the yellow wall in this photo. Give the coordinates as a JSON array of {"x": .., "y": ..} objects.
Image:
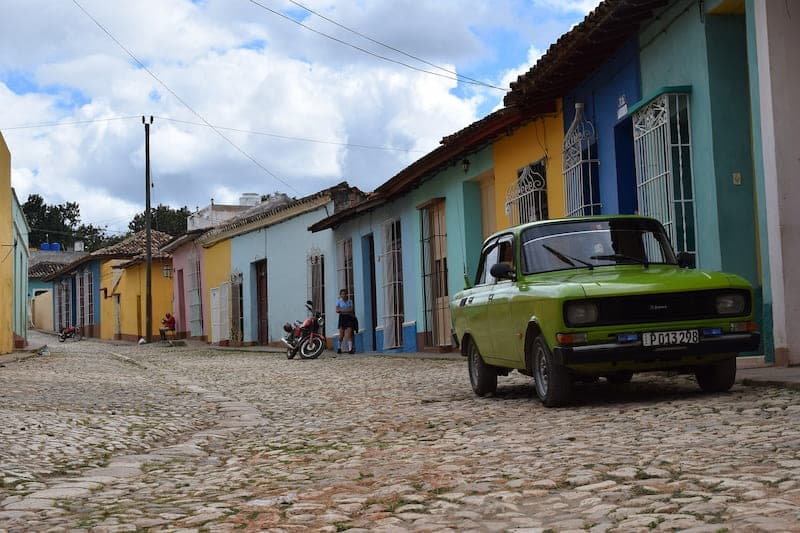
[
  {"x": 216, "y": 270},
  {"x": 6, "y": 258},
  {"x": 131, "y": 290},
  {"x": 42, "y": 311},
  {"x": 541, "y": 138},
  {"x": 106, "y": 300}
]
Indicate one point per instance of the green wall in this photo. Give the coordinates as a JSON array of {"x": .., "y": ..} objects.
[{"x": 462, "y": 218}]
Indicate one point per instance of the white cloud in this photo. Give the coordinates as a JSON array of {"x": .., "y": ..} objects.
[
  {"x": 239, "y": 67},
  {"x": 581, "y": 7}
]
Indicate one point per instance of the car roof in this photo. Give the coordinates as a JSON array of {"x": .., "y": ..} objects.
[{"x": 595, "y": 218}]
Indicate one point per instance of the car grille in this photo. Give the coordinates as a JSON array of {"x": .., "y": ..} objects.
[{"x": 669, "y": 307}]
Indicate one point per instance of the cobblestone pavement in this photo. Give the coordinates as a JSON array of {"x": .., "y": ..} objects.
[{"x": 103, "y": 438}]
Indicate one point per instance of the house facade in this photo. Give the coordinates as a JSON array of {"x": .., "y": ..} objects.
[
  {"x": 773, "y": 32},
  {"x": 89, "y": 292},
  {"x": 261, "y": 266},
  {"x": 20, "y": 281},
  {"x": 188, "y": 260},
  {"x": 6, "y": 250}
]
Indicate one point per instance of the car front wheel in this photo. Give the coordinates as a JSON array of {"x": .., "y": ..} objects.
[
  {"x": 718, "y": 377},
  {"x": 482, "y": 376},
  {"x": 553, "y": 383}
]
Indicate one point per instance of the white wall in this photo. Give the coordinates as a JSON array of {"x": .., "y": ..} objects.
[{"x": 777, "y": 42}]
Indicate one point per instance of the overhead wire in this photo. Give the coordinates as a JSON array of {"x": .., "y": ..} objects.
[
  {"x": 461, "y": 77},
  {"x": 182, "y": 101},
  {"x": 291, "y": 138},
  {"x": 239, "y": 130},
  {"x": 369, "y": 52},
  {"x": 72, "y": 123}
]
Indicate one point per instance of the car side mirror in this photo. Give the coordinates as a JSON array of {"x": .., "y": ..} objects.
[
  {"x": 503, "y": 271},
  {"x": 686, "y": 260}
]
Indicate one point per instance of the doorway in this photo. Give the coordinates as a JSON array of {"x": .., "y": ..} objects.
[
  {"x": 370, "y": 292},
  {"x": 261, "y": 302}
]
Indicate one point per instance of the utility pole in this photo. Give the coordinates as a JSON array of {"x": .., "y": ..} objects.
[{"x": 148, "y": 298}]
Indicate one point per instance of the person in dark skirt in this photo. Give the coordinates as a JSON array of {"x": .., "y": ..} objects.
[{"x": 347, "y": 322}]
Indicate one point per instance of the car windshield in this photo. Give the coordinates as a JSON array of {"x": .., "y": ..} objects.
[{"x": 595, "y": 243}]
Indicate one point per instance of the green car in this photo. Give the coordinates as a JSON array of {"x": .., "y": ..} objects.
[{"x": 581, "y": 298}]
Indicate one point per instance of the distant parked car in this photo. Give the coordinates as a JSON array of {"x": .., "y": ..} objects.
[{"x": 581, "y": 298}]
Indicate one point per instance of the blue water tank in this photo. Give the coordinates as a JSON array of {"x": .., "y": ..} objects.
[
  {"x": 45, "y": 246},
  {"x": 56, "y": 247}
]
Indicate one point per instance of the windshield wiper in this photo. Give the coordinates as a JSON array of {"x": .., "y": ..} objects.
[
  {"x": 622, "y": 257},
  {"x": 566, "y": 258}
]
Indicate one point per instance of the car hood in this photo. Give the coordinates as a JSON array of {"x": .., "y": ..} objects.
[{"x": 635, "y": 279}]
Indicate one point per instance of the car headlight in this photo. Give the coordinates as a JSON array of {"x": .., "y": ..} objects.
[
  {"x": 580, "y": 313},
  {"x": 731, "y": 303}
]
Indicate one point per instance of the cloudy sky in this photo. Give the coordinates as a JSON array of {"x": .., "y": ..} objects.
[{"x": 293, "y": 111}]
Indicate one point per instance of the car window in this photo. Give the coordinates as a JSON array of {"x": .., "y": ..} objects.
[
  {"x": 581, "y": 244},
  {"x": 488, "y": 259},
  {"x": 505, "y": 252}
]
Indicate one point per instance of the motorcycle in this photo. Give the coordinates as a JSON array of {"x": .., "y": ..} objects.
[
  {"x": 70, "y": 332},
  {"x": 306, "y": 338}
]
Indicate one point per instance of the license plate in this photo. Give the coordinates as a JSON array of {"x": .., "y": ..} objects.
[{"x": 670, "y": 338}]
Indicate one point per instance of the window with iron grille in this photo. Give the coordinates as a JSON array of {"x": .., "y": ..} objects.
[
  {"x": 344, "y": 267},
  {"x": 392, "y": 261},
  {"x": 581, "y": 167},
  {"x": 663, "y": 158},
  {"x": 526, "y": 199},
  {"x": 434, "y": 274},
  {"x": 316, "y": 281},
  {"x": 80, "y": 319},
  {"x": 89, "y": 283}
]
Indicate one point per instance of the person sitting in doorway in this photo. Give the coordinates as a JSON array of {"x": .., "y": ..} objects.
[{"x": 167, "y": 324}]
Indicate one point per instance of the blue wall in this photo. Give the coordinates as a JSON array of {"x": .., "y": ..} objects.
[
  {"x": 286, "y": 247},
  {"x": 600, "y": 93}
]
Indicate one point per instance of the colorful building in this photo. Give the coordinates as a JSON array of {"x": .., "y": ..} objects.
[
  {"x": 19, "y": 251},
  {"x": 261, "y": 266},
  {"x": 6, "y": 251},
  {"x": 89, "y": 292}
]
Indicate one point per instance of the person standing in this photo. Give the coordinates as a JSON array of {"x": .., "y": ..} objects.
[{"x": 347, "y": 322}]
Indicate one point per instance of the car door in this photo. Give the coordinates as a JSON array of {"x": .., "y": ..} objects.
[
  {"x": 474, "y": 301},
  {"x": 504, "y": 329}
]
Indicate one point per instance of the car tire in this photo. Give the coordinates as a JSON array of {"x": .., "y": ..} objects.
[
  {"x": 620, "y": 377},
  {"x": 552, "y": 381},
  {"x": 482, "y": 376},
  {"x": 718, "y": 377}
]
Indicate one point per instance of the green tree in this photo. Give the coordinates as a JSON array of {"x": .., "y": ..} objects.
[
  {"x": 165, "y": 219},
  {"x": 61, "y": 224},
  {"x": 51, "y": 223}
]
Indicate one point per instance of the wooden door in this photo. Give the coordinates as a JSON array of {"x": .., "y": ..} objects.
[{"x": 261, "y": 299}]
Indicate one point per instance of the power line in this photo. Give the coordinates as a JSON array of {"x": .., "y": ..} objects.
[
  {"x": 392, "y": 48},
  {"x": 73, "y": 123},
  {"x": 373, "y": 54},
  {"x": 182, "y": 101},
  {"x": 239, "y": 130},
  {"x": 291, "y": 138}
]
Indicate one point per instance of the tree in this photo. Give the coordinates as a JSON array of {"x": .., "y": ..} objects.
[
  {"x": 61, "y": 224},
  {"x": 165, "y": 219},
  {"x": 51, "y": 223}
]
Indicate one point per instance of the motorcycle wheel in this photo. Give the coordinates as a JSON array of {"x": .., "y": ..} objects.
[
  {"x": 312, "y": 348},
  {"x": 290, "y": 353},
  {"x": 61, "y": 338},
  {"x": 78, "y": 335}
]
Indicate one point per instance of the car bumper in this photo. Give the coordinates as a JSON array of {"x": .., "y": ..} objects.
[{"x": 635, "y": 352}]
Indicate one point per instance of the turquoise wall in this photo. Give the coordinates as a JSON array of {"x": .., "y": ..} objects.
[
  {"x": 710, "y": 53},
  {"x": 673, "y": 53},
  {"x": 733, "y": 147}
]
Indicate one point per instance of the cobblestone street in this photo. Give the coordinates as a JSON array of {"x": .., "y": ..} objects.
[{"x": 98, "y": 437}]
